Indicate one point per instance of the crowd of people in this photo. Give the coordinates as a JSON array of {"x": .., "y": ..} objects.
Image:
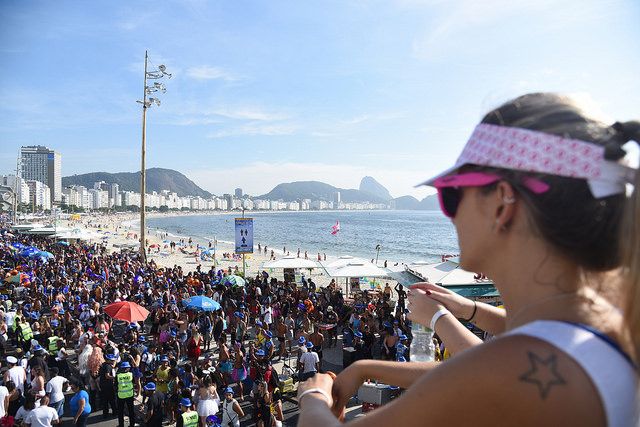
[{"x": 178, "y": 362}]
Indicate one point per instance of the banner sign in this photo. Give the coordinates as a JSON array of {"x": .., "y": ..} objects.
[{"x": 244, "y": 235}]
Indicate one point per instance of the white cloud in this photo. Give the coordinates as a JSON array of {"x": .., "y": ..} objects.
[
  {"x": 245, "y": 113},
  {"x": 206, "y": 72},
  {"x": 466, "y": 16},
  {"x": 258, "y": 178},
  {"x": 255, "y": 129}
]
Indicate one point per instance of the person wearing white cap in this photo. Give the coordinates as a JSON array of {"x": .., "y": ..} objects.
[
  {"x": 15, "y": 373},
  {"x": 541, "y": 203}
]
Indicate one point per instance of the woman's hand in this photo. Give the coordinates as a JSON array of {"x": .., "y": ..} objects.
[
  {"x": 345, "y": 385},
  {"x": 321, "y": 381},
  {"x": 459, "y": 306},
  {"x": 422, "y": 307}
]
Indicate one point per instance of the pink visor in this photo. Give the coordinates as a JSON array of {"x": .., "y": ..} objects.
[{"x": 480, "y": 179}]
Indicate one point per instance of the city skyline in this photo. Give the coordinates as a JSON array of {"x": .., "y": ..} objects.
[{"x": 264, "y": 93}]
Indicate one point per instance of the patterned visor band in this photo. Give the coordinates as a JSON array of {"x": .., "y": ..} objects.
[{"x": 537, "y": 152}]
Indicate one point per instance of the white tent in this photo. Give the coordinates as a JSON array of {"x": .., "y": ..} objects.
[
  {"x": 359, "y": 269},
  {"x": 447, "y": 273},
  {"x": 342, "y": 261},
  {"x": 76, "y": 233},
  {"x": 291, "y": 262}
]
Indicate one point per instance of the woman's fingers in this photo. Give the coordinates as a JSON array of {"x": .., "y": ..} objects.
[{"x": 430, "y": 287}]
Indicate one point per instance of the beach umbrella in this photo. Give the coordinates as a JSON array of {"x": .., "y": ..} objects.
[
  {"x": 45, "y": 255},
  {"x": 233, "y": 280},
  {"x": 201, "y": 303},
  {"x": 153, "y": 246},
  {"x": 166, "y": 241},
  {"x": 127, "y": 311},
  {"x": 63, "y": 243}
]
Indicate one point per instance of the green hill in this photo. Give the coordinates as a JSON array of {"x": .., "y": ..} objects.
[{"x": 158, "y": 179}]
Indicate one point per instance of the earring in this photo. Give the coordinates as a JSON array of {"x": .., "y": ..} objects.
[{"x": 509, "y": 200}]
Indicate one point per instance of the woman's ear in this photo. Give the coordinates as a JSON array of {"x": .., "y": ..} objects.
[{"x": 505, "y": 205}]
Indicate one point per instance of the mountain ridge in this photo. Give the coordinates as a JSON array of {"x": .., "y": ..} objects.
[{"x": 158, "y": 179}]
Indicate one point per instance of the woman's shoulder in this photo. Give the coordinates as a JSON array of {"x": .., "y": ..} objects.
[{"x": 524, "y": 379}]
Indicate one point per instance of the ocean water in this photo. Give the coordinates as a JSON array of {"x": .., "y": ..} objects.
[{"x": 405, "y": 236}]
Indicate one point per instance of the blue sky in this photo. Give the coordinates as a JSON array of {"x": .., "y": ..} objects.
[{"x": 265, "y": 92}]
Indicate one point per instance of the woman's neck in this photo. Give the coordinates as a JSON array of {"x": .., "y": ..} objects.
[{"x": 536, "y": 283}]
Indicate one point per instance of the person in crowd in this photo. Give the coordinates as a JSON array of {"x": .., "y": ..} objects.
[
  {"x": 15, "y": 398},
  {"x": 208, "y": 400},
  {"x": 309, "y": 363},
  {"x": 231, "y": 410},
  {"x": 55, "y": 389},
  {"x": 125, "y": 393},
  {"x": 154, "y": 409},
  {"x": 79, "y": 404},
  {"x": 15, "y": 373},
  {"x": 42, "y": 415},
  {"x": 107, "y": 385},
  {"x": 188, "y": 417},
  {"x": 29, "y": 404}
]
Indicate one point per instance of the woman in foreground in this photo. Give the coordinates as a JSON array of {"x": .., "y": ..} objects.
[{"x": 539, "y": 203}]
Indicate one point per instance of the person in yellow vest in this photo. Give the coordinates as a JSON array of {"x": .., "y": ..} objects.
[
  {"x": 124, "y": 385},
  {"x": 52, "y": 345},
  {"x": 25, "y": 334},
  {"x": 187, "y": 418}
]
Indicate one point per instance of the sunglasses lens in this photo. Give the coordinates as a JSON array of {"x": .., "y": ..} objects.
[{"x": 450, "y": 198}]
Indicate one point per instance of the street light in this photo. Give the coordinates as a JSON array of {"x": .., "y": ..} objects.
[{"x": 160, "y": 73}]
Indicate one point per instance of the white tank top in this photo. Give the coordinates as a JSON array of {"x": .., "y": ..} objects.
[{"x": 610, "y": 370}]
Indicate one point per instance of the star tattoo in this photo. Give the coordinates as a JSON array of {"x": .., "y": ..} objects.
[{"x": 543, "y": 373}]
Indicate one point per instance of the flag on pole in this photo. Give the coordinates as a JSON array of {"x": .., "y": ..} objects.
[{"x": 335, "y": 228}]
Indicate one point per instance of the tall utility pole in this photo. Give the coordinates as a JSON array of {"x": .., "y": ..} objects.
[
  {"x": 146, "y": 103},
  {"x": 143, "y": 187},
  {"x": 15, "y": 193}
]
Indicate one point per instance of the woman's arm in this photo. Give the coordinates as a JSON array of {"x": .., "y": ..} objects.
[
  {"x": 455, "y": 335},
  {"x": 398, "y": 374},
  {"x": 80, "y": 409},
  {"x": 485, "y": 316}
]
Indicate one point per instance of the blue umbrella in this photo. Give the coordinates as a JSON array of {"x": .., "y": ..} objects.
[
  {"x": 63, "y": 243},
  {"x": 233, "y": 280},
  {"x": 201, "y": 303}
]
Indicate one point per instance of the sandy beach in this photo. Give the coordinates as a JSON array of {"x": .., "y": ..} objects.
[{"x": 123, "y": 229}]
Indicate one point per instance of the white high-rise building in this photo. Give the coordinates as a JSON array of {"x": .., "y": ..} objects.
[
  {"x": 39, "y": 195},
  {"x": 42, "y": 164}
]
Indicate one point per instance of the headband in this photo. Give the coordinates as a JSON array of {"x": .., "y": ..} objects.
[{"x": 538, "y": 152}]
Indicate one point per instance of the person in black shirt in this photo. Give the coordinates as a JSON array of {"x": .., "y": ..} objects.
[
  {"x": 39, "y": 360},
  {"x": 154, "y": 409},
  {"x": 106, "y": 380}
]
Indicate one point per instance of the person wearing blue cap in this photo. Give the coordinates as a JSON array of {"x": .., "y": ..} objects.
[
  {"x": 188, "y": 417},
  {"x": 231, "y": 410},
  {"x": 309, "y": 362},
  {"x": 106, "y": 380},
  {"x": 154, "y": 408},
  {"x": 124, "y": 379}
]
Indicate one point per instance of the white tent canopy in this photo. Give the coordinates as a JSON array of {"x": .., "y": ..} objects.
[
  {"x": 447, "y": 273},
  {"x": 358, "y": 269},
  {"x": 342, "y": 261},
  {"x": 291, "y": 262}
]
